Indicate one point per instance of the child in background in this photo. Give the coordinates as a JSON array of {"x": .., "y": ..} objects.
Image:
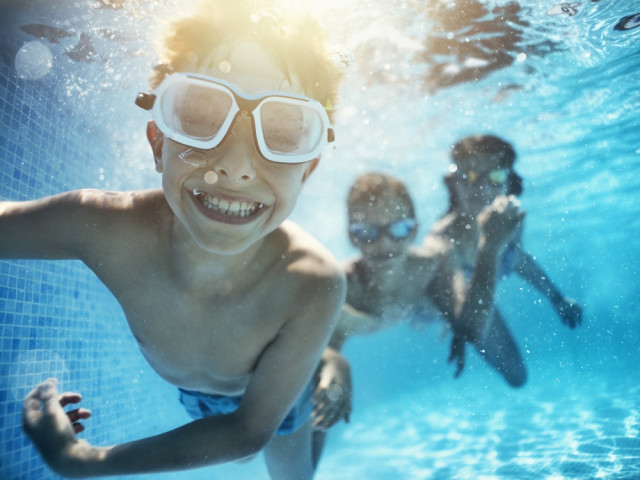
[
  {"x": 482, "y": 174},
  {"x": 392, "y": 281},
  {"x": 228, "y": 300}
]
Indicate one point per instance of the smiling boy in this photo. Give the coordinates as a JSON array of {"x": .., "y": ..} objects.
[{"x": 227, "y": 299}]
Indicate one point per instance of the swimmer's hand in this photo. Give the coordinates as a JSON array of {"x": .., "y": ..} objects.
[
  {"x": 332, "y": 396},
  {"x": 570, "y": 311},
  {"x": 499, "y": 220},
  {"x": 53, "y": 431},
  {"x": 457, "y": 353}
]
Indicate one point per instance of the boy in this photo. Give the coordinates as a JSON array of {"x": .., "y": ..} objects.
[{"x": 227, "y": 300}]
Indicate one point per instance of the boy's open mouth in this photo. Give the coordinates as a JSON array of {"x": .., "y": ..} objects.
[{"x": 225, "y": 207}]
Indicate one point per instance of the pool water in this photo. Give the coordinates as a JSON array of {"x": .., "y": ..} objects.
[{"x": 561, "y": 81}]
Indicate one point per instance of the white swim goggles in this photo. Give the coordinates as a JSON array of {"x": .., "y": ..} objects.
[{"x": 199, "y": 111}]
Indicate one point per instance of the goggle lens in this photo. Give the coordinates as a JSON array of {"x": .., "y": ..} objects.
[
  {"x": 194, "y": 111},
  {"x": 289, "y": 128}
]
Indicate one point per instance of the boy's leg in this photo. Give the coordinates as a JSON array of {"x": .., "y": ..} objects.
[
  {"x": 318, "y": 438},
  {"x": 500, "y": 350},
  {"x": 289, "y": 456}
]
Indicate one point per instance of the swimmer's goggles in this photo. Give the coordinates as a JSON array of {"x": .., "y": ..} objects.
[
  {"x": 498, "y": 176},
  {"x": 361, "y": 232},
  {"x": 199, "y": 111}
]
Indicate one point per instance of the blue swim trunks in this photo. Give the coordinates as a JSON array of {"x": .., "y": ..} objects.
[{"x": 200, "y": 405}]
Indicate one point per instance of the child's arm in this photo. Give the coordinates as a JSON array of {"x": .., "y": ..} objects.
[
  {"x": 62, "y": 226},
  {"x": 39, "y": 228},
  {"x": 332, "y": 396},
  {"x": 568, "y": 309},
  {"x": 284, "y": 369},
  {"x": 469, "y": 308}
]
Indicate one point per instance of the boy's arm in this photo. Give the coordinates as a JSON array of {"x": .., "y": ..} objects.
[
  {"x": 568, "y": 309},
  {"x": 56, "y": 227},
  {"x": 281, "y": 374}
]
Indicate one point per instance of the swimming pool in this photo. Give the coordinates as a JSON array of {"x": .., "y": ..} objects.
[{"x": 564, "y": 90}]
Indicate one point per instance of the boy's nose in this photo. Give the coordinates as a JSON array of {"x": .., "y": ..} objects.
[{"x": 238, "y": 153}]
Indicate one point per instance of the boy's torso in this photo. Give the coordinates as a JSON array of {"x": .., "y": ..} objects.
[{"x": 203, "y": 334}]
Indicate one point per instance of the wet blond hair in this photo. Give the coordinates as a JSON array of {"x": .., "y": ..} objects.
[{"x": 296, "y": 44}]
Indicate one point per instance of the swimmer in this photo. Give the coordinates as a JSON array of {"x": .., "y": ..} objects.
[
  {"x": 482, "y": 179},
  {"x": 238, "y": 302}
]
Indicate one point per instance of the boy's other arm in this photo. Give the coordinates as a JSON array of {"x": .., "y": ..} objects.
[{"x": 568, "y": 309}]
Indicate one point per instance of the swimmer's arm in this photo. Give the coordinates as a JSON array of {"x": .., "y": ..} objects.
[
  {"x": 352, "y": 321},
  {"x": 332, "y": 395},
  {"x": 55, "y": 227},
  {"x": 282, "y": 373},
  {"x": 568, "y": 309}
]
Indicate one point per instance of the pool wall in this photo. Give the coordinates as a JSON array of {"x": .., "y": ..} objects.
[{"x": 56, "y": 318}]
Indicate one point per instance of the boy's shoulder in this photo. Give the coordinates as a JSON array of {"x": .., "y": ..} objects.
[
  {"x": 305, "y": 265},
  {"x": 303, "y": 253}
]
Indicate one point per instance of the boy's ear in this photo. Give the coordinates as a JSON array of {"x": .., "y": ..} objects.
[
  {"x": 156, "y": 139},
  {"x": 311, "y": 166}
]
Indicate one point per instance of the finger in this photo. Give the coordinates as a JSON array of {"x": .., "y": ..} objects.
[
  {"x": 77, "y": 428},
  {"x": 69, "y": 398},
  {"x": 78, "y": 414}
]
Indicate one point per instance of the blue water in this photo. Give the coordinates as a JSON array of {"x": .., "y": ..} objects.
[{"x": 564, "y": 89}]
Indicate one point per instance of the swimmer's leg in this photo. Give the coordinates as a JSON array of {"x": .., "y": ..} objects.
[
  {"x": 499, "y": 350},
  {"x": 289, "y": 456},
  {"x": 318, "y": 438}
]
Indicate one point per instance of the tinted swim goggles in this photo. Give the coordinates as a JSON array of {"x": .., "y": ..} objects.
[
  {"x": 498, "y": 176},
  {"x": 199, "y": 111},
  {"x": 362, "y": 232}
]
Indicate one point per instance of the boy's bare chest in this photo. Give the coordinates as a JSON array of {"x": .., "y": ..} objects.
[{"x": 208, "y": 343}]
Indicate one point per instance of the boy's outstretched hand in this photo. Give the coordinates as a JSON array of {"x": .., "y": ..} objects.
[{"x": 52, "y": 430}]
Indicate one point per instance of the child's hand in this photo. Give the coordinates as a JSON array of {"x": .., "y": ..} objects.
[
  {"x": 457, "y": 353},
  {"x": 500, "y": 220},
  {"x": 52, "y": 430},
  {"x": 332, "y": 397},
  {"x": 570, "y": 312}
]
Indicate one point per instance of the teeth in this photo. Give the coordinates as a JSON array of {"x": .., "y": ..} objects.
[{"x": 236, "y": 209}]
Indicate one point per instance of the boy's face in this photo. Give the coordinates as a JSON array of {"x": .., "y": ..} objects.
[
  {"x": 382, "y": 230},
  {"x": 232, "y": 197}
]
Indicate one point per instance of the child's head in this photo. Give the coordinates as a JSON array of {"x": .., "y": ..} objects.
[
  {"x": 381, "y": 215},
  {"x": 237, "y": 128},
  {"x": 482, "y": 166},
  {"x": 296, "y": 44}
]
